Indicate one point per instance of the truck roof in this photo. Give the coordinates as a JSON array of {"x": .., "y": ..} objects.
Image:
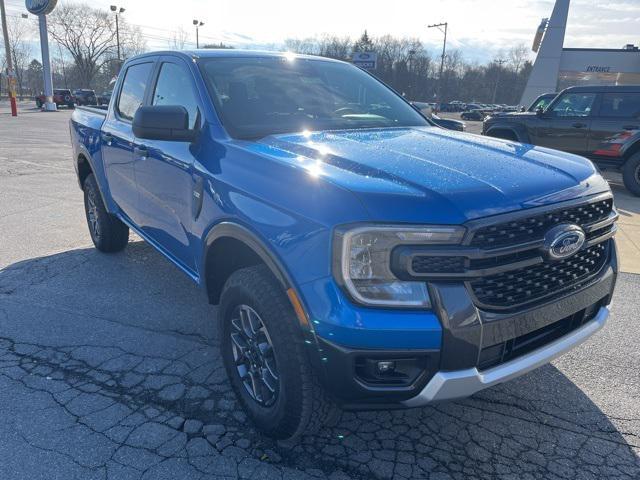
[
  {"x": 604, "y": 88},
  {"x": 230, "y": 53}
]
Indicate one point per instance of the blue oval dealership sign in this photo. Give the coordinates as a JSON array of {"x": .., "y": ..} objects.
[{"x": 40, "y": 7}]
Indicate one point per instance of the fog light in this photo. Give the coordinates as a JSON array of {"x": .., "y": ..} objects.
[{"x": 386, "y": 367}]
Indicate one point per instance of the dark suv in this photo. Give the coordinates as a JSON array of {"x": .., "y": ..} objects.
[
  {"x": 598, "y": 122},
  {"x": 85, "y": 96}
]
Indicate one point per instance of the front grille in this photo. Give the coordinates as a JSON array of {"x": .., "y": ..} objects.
[
  {"x": 494, "y": 355},
  {"x": 425, "y": 264},
  {"x": 532, "y": 228},
  {"x": 540, "y": 281}
]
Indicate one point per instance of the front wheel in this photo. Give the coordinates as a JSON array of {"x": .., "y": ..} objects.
[
  {"x": 108, "y": 233},
  {"x": 265, "y": 359},
  {"x": 631, "y": 174}
]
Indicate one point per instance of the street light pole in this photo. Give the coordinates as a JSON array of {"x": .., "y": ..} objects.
[
  {"x": 118, "y": 12},
  {"x": 197, "y": 24},
  {"x": 499, "y": 61},
  {"x": 10, "y": 72},
  {"x": 444, "y": 49}
]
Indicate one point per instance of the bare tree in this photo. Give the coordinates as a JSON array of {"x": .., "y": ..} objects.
[
  {"x": 89, "y": 35},
  {"x": 517, "y": 56},
  {"x": 179, "y": 39},
  {"x": 20, "y": 32}
]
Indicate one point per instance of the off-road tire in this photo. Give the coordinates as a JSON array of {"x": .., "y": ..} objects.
[
  {"x": 108, "y": 233},
  {"x": 302, "y": 405},
  {"x": 631, "y": 174}
]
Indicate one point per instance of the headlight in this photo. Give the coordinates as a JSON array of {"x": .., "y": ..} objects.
[{"x": 362, "y": 262}]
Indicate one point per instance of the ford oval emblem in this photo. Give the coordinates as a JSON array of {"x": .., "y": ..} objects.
[
  {"x": 40, "y": 7},
  {"x": 563, "y": 241}
]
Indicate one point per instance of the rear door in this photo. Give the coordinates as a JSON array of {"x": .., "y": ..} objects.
[
  {"x": 565, "y": 124},
  {"x": 616, "y": 124},
  {"x": 164, "y": 169},
  {"x": 118, "y": 139}
]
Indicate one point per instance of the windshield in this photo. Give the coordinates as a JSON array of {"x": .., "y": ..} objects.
[
  {"x": 262, "y": 96},
  {"x": 541, "y": 102}
]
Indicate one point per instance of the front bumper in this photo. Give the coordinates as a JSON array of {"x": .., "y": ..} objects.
[
  {"x": 461, "y": 362},
  {"x": 463, "y": 383}
]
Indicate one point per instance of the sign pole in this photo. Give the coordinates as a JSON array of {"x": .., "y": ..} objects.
[
  {"x": 49, "y": 106},
  {"x": 11, "y": 74}
]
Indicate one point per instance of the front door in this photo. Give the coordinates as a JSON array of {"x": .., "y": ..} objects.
[
  {"x": 565, "y": 124},
  {"x": 164, "y": 169},
  {"x": 117, "y": 138}
]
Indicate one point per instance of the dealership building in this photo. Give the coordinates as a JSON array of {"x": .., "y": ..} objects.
[{"x": 557, "y": 67}]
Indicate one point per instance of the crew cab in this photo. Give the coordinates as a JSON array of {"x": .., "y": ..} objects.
[
  {"x": 601, "y": 123},
  {"x": 360, "y": 257}
]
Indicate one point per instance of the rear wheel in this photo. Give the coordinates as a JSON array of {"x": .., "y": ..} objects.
[
  {"x": 631, "y": 174},
  {"x": 265, "y": 359},
  {"x": 107, "y": 232}
]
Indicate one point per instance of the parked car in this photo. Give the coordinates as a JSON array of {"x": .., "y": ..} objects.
[
  {"x": 61, "y": 97},
  {"x": 477, "y": 114},
  {"x": 448, "y": 123},
  {"x": 599, "y": 122},
  {"x": 104, "y": 98},
  {"x": 360, "y": 257},
  {"x": 427, "y": 110},
  {"x": 85, "y": 96}
]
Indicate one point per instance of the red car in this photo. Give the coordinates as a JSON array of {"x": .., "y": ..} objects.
[{"x": 61, "y": 96}]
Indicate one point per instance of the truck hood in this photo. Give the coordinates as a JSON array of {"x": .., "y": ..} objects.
[{"x": 431, "y": 175}]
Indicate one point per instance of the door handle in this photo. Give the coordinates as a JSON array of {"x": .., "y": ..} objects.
[
  {"x": 141, "y": 152},
  {"x": 579, "y": 125},
  {"x": 631, "y": 127},
  {"x": 107, "y": 138}
]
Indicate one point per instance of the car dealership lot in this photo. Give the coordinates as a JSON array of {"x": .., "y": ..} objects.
[{"x": 109, "y": 366}]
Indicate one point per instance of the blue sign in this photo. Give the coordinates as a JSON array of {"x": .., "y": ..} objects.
[
  {"x": 366, "y": 60},
  {"x": 40, "y": 7}
]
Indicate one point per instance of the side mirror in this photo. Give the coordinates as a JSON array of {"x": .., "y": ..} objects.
[
  {"x": 540, "y": 112},
  {"x": 163, "y": 122},
  {"x": 523, "y": 109}
]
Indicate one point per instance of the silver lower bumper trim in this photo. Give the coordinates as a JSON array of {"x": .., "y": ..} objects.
[{"x": 463, "y": 383}]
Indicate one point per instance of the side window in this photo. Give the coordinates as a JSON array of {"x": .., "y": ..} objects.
[
  {"x": 620, "y": 105},
  {"x": 132, "y": 93},
  {"x": 574, "y": 105},
  {"x": 174, "y": 88}
]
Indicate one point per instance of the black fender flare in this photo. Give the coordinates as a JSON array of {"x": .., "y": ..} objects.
[
  {"x": 84, "y": 153},
  {"x": 518, "y": 130},
  {"x": 236, "y": 231}
]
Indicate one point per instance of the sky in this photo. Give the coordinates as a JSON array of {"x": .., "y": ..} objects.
[{"x": 480, "y": 28}]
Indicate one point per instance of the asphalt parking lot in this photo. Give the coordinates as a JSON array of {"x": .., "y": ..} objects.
[{"x": 110, "y": 368}]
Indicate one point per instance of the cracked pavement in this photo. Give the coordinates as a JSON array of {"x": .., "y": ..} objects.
[{"x": 110, "y": 369}]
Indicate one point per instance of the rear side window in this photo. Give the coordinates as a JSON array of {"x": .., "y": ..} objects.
[
  {"x": 132, "y": 93},
  {"x": 620, "y": 105},
  {"x": 174, "y": 88},
  {"x": 574, "y": 105}
]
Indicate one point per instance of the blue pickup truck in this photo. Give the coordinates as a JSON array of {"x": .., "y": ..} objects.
[{"x": 361, "y": 257}]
